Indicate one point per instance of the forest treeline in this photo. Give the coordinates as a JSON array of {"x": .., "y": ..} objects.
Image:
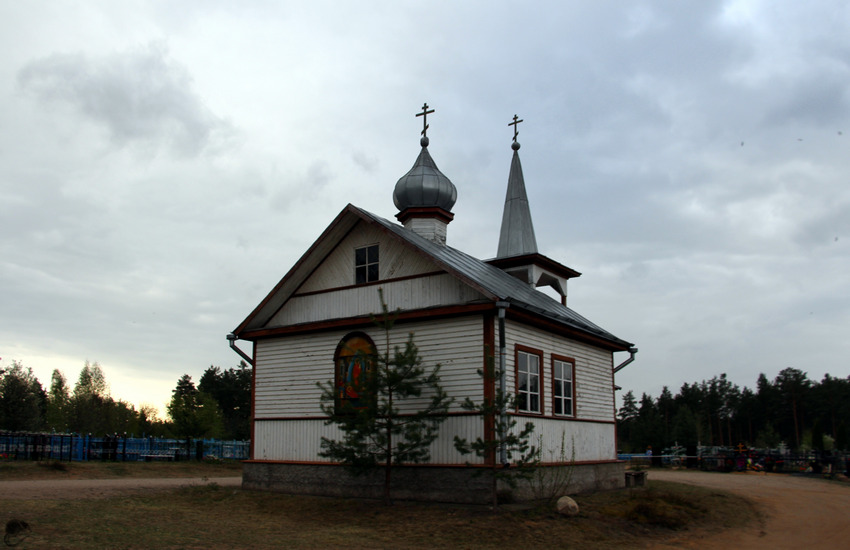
[
  {"x": 790, "y": 409},
  {"x": 219, "y": 407}
]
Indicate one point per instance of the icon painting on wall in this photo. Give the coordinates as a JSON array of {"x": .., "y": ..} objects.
[{"x": 355, "y": 358}]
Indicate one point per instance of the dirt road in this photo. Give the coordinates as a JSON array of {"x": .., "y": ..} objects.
[
  {"x": 98, "y": 488},
  {"x": 796, "y": 512}
]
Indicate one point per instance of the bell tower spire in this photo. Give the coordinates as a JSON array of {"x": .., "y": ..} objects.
[
  {"x": 516, "y": 237},
  {"x": 517, "y": 253}
]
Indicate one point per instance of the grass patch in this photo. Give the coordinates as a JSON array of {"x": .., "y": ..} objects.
[
  {"x": 30, "y": 470},
  {"x": 661, "y": 510},
  {"x": 211, "y": 516},
  {"x": 54, "y": 465}
]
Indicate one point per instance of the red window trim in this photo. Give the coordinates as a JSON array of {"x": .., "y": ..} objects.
[
  {"x": 539, "y": 353},
  {"x": 570, "y": 360}
]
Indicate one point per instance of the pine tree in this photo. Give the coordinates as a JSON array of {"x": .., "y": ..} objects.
[
  {"x": 508, "y": 449},
  {"x": 793, "y": 384},
  {"x": 629, "y": 410},
  {"x": 89, "y": 401},
  {"x": 22, "y": 399},
  {"x": 58, "y": 402},
  {"x": 231, "y": 389},
  {"x": 192, "y": 412},
  {"x": 384, "y": 430}
]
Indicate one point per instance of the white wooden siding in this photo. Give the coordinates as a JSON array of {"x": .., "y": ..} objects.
[
  {"x": 594, "y": 394},
  {"x": 288, "y": 368},
  {"x": 558, "y": 440},
  {"x": 408, "y": 294},
  {"x": 286, "y": 373},
  {"x": 300, "y": 440},
  {"x": 395, "y": 260},
  {"x": 565, "y": 440},
  {"x": 456, "y": 345}
]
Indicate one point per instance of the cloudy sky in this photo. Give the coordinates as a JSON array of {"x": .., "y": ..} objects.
[{"x": 163, "y": 164}]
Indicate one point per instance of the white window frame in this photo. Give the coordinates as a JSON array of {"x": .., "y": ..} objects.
[
  {"x": 528, "y": 369},
  {"x": 367, "y": 264},
  {"x": 559, "y": 383}
]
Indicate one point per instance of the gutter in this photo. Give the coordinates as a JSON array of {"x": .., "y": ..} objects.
[
  {"x": 632, "y": 353},
  {"x": 232, "y": 339},
  {"x": 502, "y": 306}
]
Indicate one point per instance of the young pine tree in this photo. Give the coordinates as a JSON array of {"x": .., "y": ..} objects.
[
  {"x": 508, "y": 448},
  {"x": 398, "y": 416}
]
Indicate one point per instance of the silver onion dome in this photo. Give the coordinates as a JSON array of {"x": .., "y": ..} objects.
[{"x": 424, "y": 185}]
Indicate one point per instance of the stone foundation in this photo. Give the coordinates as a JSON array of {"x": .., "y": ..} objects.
[
  {"x": 427, "y": 483},
  {"x": 556, "y": 481}
]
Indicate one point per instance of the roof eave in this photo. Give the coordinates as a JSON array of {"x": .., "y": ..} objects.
[
  {"x": 535, "y": 259},
  {"x": 550, "y": 323}
]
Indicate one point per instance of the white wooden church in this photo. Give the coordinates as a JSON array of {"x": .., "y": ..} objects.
[{"x": 459, "y": 309}]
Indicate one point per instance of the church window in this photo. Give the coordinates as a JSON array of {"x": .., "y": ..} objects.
[
  {"x": 366, "y": 264},
  {"x": 354, "y": 363},
  {"x": 563, "y": 375},
  {"x": 528, "y": 381}
]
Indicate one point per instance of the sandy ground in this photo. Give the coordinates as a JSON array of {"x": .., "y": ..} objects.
[
  {"x": 98, "y": 488},
  {"x": 796, "y": 511}
]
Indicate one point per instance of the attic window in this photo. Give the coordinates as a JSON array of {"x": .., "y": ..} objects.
[{"x": 366, "y": 264}]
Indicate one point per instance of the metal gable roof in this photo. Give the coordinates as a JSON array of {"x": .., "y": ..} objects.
[
  {"x": 490, "y": 281},
  {"x": 494, "y": 282}
]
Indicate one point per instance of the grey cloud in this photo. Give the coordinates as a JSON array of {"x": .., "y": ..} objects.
[
  {"x": 829, "y": 228},
  {"x": 368, "y": 163},
  {"x": 318, "y": 175},
  {"x": 310, "y": 185},
  {"x": 140, "y": 96},
  {"x": 818, "y": 99}
]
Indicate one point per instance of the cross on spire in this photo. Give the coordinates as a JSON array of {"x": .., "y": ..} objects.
[
  {"x": 424, "y": 114},
  {"x": 514, "y": 124}
]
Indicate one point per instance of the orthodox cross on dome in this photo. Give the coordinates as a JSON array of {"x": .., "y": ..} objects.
[
  {"x": 424, "y": 114},
  {"x": 514, "y": 124}
]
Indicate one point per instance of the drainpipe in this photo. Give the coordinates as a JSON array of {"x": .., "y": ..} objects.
[
  {"x": 632, "y": 353},
  {"x": 502, "y": 306},
  {"x": 232, "y": 339}
]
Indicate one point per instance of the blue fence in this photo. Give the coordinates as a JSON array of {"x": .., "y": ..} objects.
[{"x": 73, "y": 447}]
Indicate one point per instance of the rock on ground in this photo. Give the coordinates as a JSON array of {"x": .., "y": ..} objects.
[{"x": 567, "y": 506}]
